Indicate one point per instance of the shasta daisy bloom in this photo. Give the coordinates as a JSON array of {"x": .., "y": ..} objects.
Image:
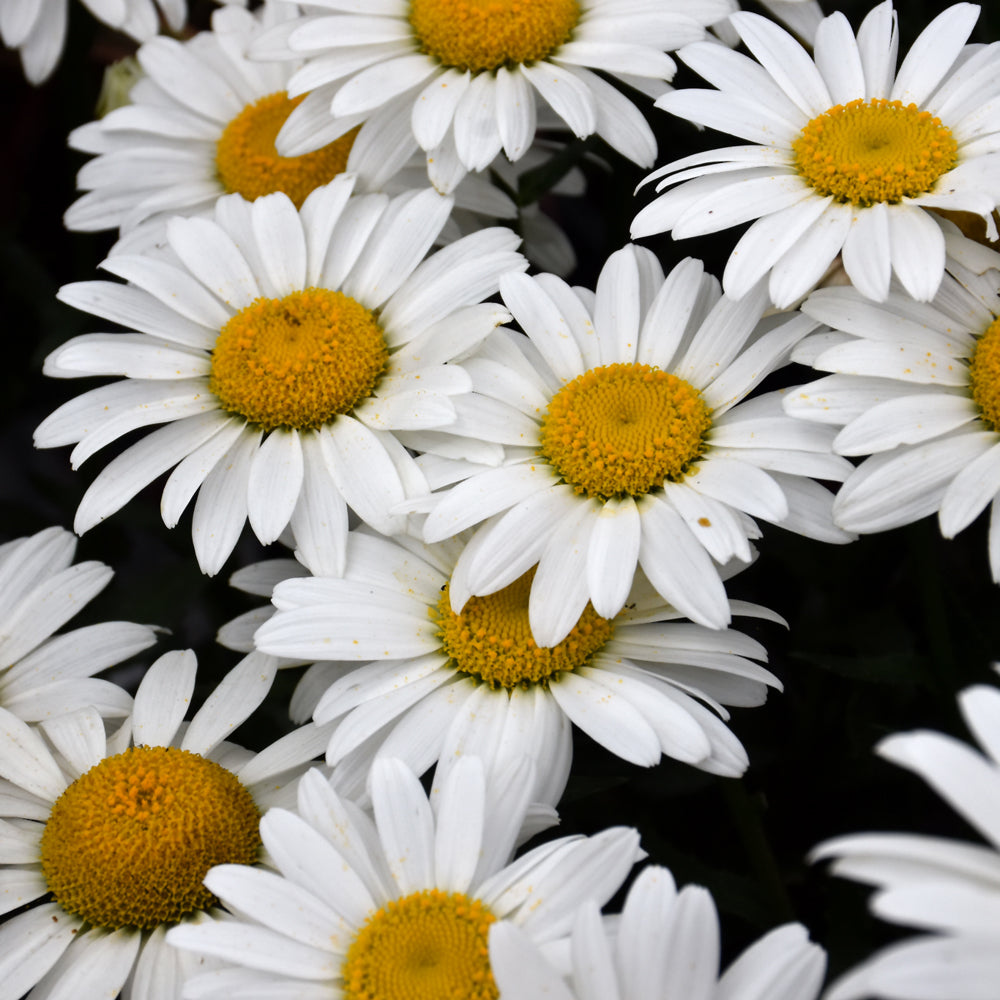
[
  {"x": 917, "y": 387},
  {"x": 461, "y": 76},
  {"x": 948, "y": 889},
  {"x": 201, "y": 123},
  {"x": 665, "y": 944},
  {"x": 847, "y": 154},
  {"x": 284, "y": 352},
  {"x": 402, "y": 906},
  {"x": 121, "y": 830},
  {"x": 37, "y": 28},
  {"x": 629, "y": 444},
  {"x": 426, "y": 683},
  {"x": 43, "y": 674}
]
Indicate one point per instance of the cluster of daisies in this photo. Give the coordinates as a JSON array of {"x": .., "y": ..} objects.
[{"x": 508, "y": 506}]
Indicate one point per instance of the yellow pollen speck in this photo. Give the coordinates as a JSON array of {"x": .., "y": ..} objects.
[
  {"x": 624, "y": 429},
  {"x": 430, "y": 945},
  {"x": 129, "y": 842},
  {"x": 490, "y": 638},
  {"x": 248, "y": 164},
  {"x": 874, "y": 151},
  {"x": 298, "y": 361},
  {"x": 481, "y": 35},
  {"x": 984, "y": 375}
]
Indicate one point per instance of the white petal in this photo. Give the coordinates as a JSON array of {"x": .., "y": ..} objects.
[
  {"x": 279, "y": 236},
  {"x": 232, "y": 701},
  {"x": 405, "y": 825},
  {"x": 276, "y": 476},
  {"x": 319, "y": 520},
  {"x": 607, "y": 718},
  {"x": 212, "y": 257},
  {"x": 917, "y": 247},
  {"x": 613, "y": 554},
  {"x": 678, "y": 567},
  {"x": 565, "y": 93},
  {"x": 516, "y": 112},
  {"x": 867, "y": 253},
  {"x": 434, "y": 108},
  {"x": 221, "y": 508},
  {"x": 257, "y": 948},
  {"x": 163, "y": 698},
  {"x": 363, "y": 471}
]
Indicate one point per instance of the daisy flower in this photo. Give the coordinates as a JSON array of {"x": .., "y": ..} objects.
[
  {"x": 201, "y": 123},
  {"x": 402, "y": 906},
  {"x": 917, "y": 387},
  {"x": 665, "y": 944},
  {"x": 847, "y": 153},
  {"x": 37, "y": 28},
  {"x": 948, "y": 889},
  {"x": 462, "y": 77},
  {"x": 283, "y": 351},
  {"x": 629, "y": 445},
  {"x": 121, "y": 830},
  {"x": 427, "y": 683},
  {"x": 42, "y": 674}
]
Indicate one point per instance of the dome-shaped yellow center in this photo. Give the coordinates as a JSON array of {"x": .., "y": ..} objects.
[
  {"x": 490, "y": 638},
  {"x": 248, "y": 164},
  {"x": 480, "y": 35},
  {"x": 624, "y": 429},
  {"x": 298, "y": 361},
  {"x": 129, "y": 842},
  {"x": 984, "y": 375},
  {"x": 430, "y": 945},
  {"x": 871, "y": 151}
]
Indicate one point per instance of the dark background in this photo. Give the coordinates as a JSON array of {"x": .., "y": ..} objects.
[{"x": 882, "y": 634}]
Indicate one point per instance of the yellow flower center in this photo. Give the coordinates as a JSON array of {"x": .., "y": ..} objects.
[
  {"x": 480, "y": 35},
  {"x": 624, "y": 429},
  {"x": 490, "y": 638},
  {"x": 129, "y": 842},
  {"x": 298, "y": 361},
  {"x": 984, "y": 375},
  {"x": 430, "y": 945},
  {"x": 871, "y": 151},
  {"x": 248, "y": 164}
]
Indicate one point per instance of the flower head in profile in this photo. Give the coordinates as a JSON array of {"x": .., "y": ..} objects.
[
  {"x": 37, "y": 28},
  {"x": 947, "y": 889},
  {"x": 288, "y": 355},
  {"x": 916, "y": 386},
  {"x": 665, "y": 944},
  {"x": 631, "y": 443},
  {"x": 408, "y": 676},
  {"x": 43, "y": 674},
  {"x": 847, "y": 154},
  {"x": 464, "y": 77},
  {"x": 120, "y": 830},
  {"x": 402, "y": 906}
]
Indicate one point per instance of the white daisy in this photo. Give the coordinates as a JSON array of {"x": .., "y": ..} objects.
[
  {"x": 628, "y": 444},
  {"x": 665, "y": 944},
  {"x": 401, "y": 906},
  {"x": 948, "y": 889},
  {"x": 42, "y": 674},
  {"x": 424, "y": 683},
  {"x": 202, "y": 122},
  {"x": 122, "y": 829},
  {"x": 462, "y": 77},
  {"x": 847, "y": 154},
  {"x": 918, "y": 389},
  {"x": 283, "y": 351},
  {"x": 37, "y": 28}
]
